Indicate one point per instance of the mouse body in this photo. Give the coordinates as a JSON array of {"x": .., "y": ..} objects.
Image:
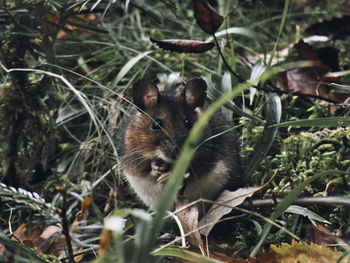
[{"x": 155, "y": 133}]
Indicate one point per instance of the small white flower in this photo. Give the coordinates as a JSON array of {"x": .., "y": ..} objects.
[{"x": 115, "y": 223}]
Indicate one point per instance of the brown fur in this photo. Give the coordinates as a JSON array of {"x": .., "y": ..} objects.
[{"x": 144, "y": 143}]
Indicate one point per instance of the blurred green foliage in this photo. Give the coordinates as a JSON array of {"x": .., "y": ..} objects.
[{"x": 49, "y": 143}]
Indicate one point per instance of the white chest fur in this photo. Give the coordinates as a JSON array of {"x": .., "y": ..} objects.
[
  {"x": 208, "y": 186},
  {"x": 147, "y": 188}
]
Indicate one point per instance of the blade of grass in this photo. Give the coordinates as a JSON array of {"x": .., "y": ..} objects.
[
  {"x": 284, "y": 17},
  {"x": 132, "y": 62}
]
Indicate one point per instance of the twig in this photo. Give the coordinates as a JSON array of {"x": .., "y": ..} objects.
[
  {"x": 331, "y": 200},
  {"x": 65, "y": 226},
  {"x": 225, "y": 62},
  {"x": 272, "y": 87}
]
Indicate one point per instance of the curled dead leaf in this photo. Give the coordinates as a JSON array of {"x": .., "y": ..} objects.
[
  {"x": 225, "y": 203},
  {"x": 208, "y": 19},
  {"x": 189, "y": 221},
  {"x": 183, "y": 45}
]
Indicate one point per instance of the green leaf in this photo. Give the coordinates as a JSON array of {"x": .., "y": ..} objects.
[
  {"x": 214, "y": 94},
  {"x": 296, "y": 209},
  {"x": 284, "y": 17},
  {"x": 132, "y": 62},
  {"x": 338, "y": 74},
  {"x": 226, "y": 86}
]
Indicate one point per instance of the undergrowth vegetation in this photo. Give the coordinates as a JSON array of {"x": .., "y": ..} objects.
[{"x": 67, "y": 68}]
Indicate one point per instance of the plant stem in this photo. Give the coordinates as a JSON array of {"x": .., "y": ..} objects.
[{"x": 65, "y": 226}]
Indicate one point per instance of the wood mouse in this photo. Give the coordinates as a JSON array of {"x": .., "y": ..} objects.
[{"x": 155, "y": 133}]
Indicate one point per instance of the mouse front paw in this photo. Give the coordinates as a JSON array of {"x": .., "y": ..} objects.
[
  {"x": 162, "y": 178},
  {"x": 160, "y": 169}
]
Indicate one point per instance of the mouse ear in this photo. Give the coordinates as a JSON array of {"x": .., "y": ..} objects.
[
  {"x": 145, "y": 94},
  {"x": 195, "y": 92}
]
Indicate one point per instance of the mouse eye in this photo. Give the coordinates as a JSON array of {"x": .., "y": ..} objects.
[
  {"x": 188, "y": 123},
  {"x": 157, "y": 124}
]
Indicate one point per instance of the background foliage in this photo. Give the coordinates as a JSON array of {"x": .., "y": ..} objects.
[{"x": 62, "y": 118}]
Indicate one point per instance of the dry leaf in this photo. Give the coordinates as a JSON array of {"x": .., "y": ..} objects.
[
  {"x": 206, "y": 16},
  {"x": 41, "y": 239},
  {"x": 52, "y": 19},
  {"x": 313, "y": 80},
  {"x": 189, "y": 221},
  {"x": 84, "y": 207},
  {"x": 105, "y": 241},
  {"x": 228, "y": 200},
  {"x": 49, "y": 240},
  {"x": 318, "y": 234},
  {"x": 183, "y": 45},
  {"x": 301, "y": 252}
]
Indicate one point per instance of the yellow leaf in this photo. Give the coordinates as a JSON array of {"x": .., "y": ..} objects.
[{"x": 301, "y": 252}]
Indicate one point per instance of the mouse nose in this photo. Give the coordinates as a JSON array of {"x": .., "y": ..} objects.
[{"x": 171, "y": 148}]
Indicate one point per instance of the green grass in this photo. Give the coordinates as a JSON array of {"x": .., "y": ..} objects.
[{"x": 64, "y": 102}]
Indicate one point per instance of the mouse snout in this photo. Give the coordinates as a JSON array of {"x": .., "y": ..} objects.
[{"x": 171, "y": 148}]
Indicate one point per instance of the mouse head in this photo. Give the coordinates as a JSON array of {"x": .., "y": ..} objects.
[
  {"x": 146, "y": 95},
  {"x": 164, "y": 119}
]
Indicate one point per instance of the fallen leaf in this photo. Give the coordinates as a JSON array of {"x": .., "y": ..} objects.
[
  {"x": 335, "y": 28},
  {"x": 41, "y": 239},
  {"x": 318, "y": 234},
  {"x": 51, "y": 22},
  {"x": 49, "y": 239},
  {"x": 105, "y": 241},
  {"x": 183, "y": 45},
  {"x": 313, "y": 80},
  {"x": 84, "y": 207},
  {"x": 208, "y": 19},
  {"x": 225, "y": 203},
  {"x": 301, "y": 252},
  {"x": 189, "y": 221}
]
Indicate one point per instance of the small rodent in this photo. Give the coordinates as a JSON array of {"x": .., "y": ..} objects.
[{"x": 155, "y": 133}]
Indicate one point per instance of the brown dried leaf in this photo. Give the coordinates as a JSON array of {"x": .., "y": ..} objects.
[
  {"x": 105, "y": 241},
  {"x": 49, "y": 240},
  {"x": 183, "y": 45},
  {"x": 84, "y": 207},
  {"x": 318, "y": 234},
  {"x": 36, "y": 237},
  {"x": 206, "y": 16},
  {"x": 306, "y": 81},
  {"x": 189, "y": 220},
  {"x": 226, "y": 202},
  {"x": 313, "y": 80}
]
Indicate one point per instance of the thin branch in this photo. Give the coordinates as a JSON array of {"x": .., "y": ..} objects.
[
  {"x": 272, "y": 87},
  {"x": 225, "y": 62},
  {"x": 65, "y": 226},
  {"x": 320, "y": 200}
]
